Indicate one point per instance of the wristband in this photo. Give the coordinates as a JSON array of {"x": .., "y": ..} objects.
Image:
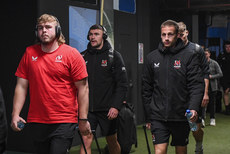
[{"x": 83, "y": 119}]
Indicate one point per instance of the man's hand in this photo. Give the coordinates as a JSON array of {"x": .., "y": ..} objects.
[
  {"x": 205, "y": 100},
  {"x": 148, "y": 126},
  {"x": 194, "y": 116},
  {"x": 113, "y": 113},
  {"x": 84, "y": 127},
  {"x": 14, "y": 122},
  {"x": 227, "y": 90}
]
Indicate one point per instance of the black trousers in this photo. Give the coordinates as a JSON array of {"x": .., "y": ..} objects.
[
  {"x": 218, "y": 101},
  {"x": 212, "y": 103}
]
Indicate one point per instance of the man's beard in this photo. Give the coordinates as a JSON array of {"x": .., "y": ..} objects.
[
  {"x": 95, "y": 47},
  {"x": 48, "y": 42}
]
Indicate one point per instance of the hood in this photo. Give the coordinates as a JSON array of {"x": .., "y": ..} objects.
[
  {"x": 179, "y": 45},
  {"x": 105, "y": 47}
]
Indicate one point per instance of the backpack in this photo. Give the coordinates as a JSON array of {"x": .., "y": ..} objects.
[{"x": 126, "y": 130}]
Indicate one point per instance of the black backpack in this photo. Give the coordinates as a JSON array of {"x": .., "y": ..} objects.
[{"x": 126, "y": 130}]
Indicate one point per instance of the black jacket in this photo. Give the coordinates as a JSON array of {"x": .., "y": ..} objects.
[
  {"x": 108, "y": 81},
  {"x": 172, "y": 83}
]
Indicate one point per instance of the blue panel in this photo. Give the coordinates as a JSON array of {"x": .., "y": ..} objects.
[
  {"x": 228, "y": 31},
  {"x": 80, "y": 20},
  {"x": 127, "y": 6},
  {"x": 220, "y": 32}
]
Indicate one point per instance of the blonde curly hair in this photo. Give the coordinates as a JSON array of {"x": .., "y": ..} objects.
[{"x": 50, "y": 18}]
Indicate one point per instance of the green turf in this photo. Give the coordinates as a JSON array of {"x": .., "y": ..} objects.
[{"x": 216, "y": 139}]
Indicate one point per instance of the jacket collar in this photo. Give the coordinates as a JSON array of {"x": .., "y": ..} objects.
[
  {"x": 179, "y": 45},
  {"x": 105, "y": 48}
]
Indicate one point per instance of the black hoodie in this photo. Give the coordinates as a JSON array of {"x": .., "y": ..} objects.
[
  {"x": 171, "y": 83},
  {"x": 108, "y": 81}
]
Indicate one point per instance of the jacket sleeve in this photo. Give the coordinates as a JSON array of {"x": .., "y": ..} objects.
[
  {"x": 218, "y": 72},
  {"x": 121, "y": 81},
  {"x": 147, "y": 88},
  {"x": 195, "y": 83}
]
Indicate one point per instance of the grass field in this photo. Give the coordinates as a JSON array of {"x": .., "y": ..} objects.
[{"x": 216, "y": 139}]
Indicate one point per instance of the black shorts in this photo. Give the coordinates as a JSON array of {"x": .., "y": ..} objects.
[
  {"x": 52, "y": 138},
  {"x": 225, "y": 83},
  {"x": 161, "y": 132},
  {"x": 108, "y": 127}
]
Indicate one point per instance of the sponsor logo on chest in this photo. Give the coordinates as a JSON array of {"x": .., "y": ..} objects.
[
  {"x": 104, "y": 63},
  {"x": 58, "y": 58},
  {"x": 177, "y": 64},
  {"x": 34, "y": 58},
  {"x": 156, "y": 65}
]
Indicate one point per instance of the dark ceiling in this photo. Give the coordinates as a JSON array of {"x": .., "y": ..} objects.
[{"x": 215, "y": 6}]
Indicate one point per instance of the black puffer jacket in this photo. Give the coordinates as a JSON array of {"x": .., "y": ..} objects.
[
  {"x": 108, "y": 81},
  {"x": 172, "y": 83}
]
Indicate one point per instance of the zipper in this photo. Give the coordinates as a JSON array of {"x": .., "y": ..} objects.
[
  {"x": 167, "y": 84},
  {"x": 93, "y": 77}
]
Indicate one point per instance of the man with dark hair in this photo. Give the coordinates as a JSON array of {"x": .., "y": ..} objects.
[
  {"x": 108, "y": 85},
  {"x": 204, "y": 66},
  {"x": 215, "y": 74},
  {"x": 171, "y": 84},
  {"x": 56, "y": 76},
  {"x": 224, "y": 61}
]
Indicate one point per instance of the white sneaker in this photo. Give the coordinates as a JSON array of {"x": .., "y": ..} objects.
[
  {"x": 212, "y": 122},
  {"x": 203, "y": 123}
]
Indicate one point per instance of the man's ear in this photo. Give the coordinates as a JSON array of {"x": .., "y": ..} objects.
[
  {"x": 178, "y": 35},
  {"x": 187, "y": 32}
]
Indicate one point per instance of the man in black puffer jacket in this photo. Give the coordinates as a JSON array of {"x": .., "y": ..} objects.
[
  {"x": 108, "y": 86},
  {"x": 171, "y": 83}
]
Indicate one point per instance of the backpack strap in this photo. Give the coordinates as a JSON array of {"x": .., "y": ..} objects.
[
  {"x": 197, "y": 47},
  {"x": 111, "y": 57},
  {"x": 83, "y": 53}
]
